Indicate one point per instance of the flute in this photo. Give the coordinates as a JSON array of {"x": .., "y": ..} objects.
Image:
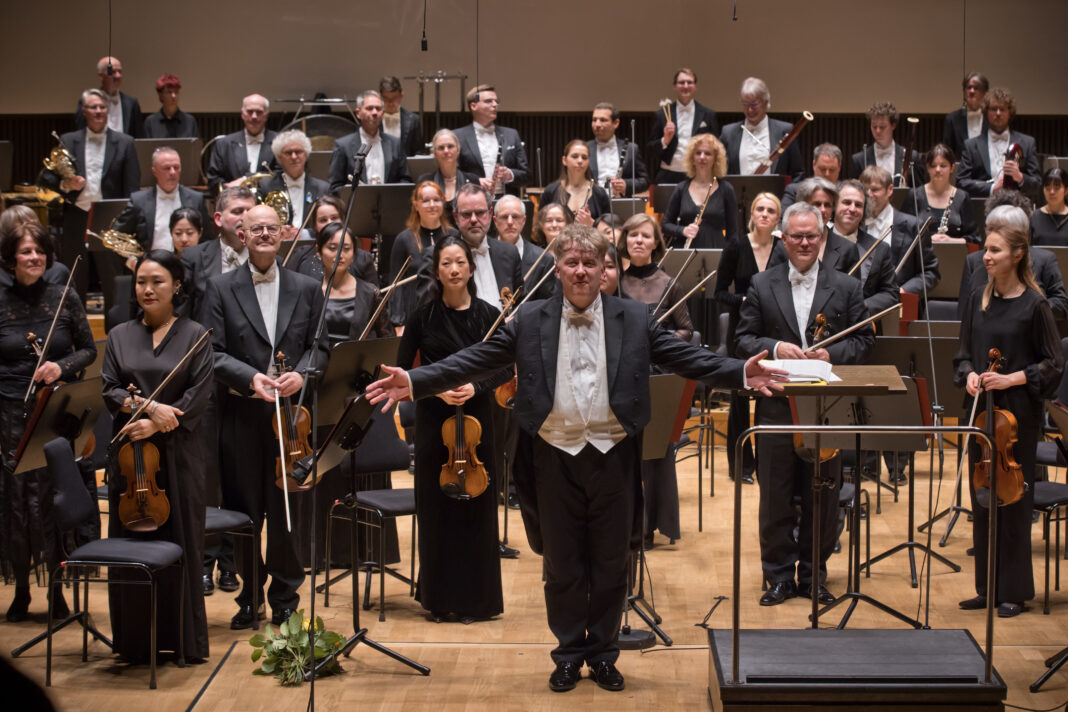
[{"x": 701, "y": 212}]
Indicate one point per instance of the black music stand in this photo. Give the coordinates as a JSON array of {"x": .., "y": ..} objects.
[
  {"x": 108, "y": 264},
  {"x": 352, "y": 367},
  {"x": 379, "y": 212},
  {"x": 952, "y": 257},
  {"x": 421, "y": 165},
  {"x": 661, "y": 195},
  {"x": 70, "y": 413},
  {"x": 705, "y": 261},
  {"x": 624, "y": 208},
  {"x": 188, "y": 150},
  {"x": 746, "y": 188}
]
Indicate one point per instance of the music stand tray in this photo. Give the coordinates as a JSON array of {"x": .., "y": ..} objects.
[
  {"x": 706, "y": 261},
  {"x": 951, "y": 263},
  {"x": 671, "y": 396},
  {"x": 378, "y": 209},
  {"x": 71, "y": 413},
  {"x": 624, "y": 208},
  {"x": 661, "y": 195},
  {"x": 352, "y": 366},
  {"x": 421, "y": 165},
  {"x": 188, "y": 150}
]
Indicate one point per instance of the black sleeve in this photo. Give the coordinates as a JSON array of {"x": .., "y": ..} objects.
[
  {"x": 81, "y": 337},
  {"x": 728, "y": 268},
  {"x": 670, "y": 223}
]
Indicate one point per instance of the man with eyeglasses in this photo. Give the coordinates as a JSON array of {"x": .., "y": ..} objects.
[
  {"x": 483, "y": 141},
  {"x": 124, "y": 111},
  {"x": 242, "y": 153},
  {"x": 510, "y": 215},
  {"x": 385, "y": 161},
  {"x": 778, "y": 316},
  {"x": 257, "y": 311},
  {"x": 673, "y": 130},
  {"x": 749, "y": 142}
]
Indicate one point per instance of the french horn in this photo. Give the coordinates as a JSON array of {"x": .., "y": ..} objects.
[{"x": 121, "y": 243}]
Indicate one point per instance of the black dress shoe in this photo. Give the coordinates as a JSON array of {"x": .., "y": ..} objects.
[
  {"x": 606, "y": 676},
  {"x": 20, "y": 604},
  {"x": 973, "y": 604},
  {"x": 507, "y": 552},
  {"x": 513, "y": 501},
  {"x": 1011, "y": 610},
  {"x": 243, "y": 618},
  {"x": 280, "y": 617},
  {"x": 823, "y": 596},
  {"x": 565, "y": 676},
  {"x": 778, "y": 592},
  {"x": 209, "y": 585},
  {"x": 228, "y": 581}
]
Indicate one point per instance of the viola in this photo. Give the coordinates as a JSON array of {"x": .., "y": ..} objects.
[
  {"x": 143, "y": 506},
  {"x": 292, "y": 426},
  {"x": 463, "y": 476},
  {"x": 1009, "y": 473}
]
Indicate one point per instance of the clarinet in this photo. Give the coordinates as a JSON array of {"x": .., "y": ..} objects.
[
  {"x": 498, "y": 185},
  {"x": 943, "y": 224},
  {"x": 624, "y": 147}
]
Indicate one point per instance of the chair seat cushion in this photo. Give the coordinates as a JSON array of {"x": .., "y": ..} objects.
[
  {"x": 845, "y": 494},
  {"x": 1050, "y": 494},
  {"x": 224, "y": 520},
  {"x": 391, "y": 502},
  {"x": 1047, "y": 453},
  {"x": 154, "y": 554}
]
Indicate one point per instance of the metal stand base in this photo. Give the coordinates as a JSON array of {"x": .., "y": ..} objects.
[
  {"x": 1054, "y": 663},
  {"x": 361, "y": 637},
  {"x": 81, "y": 617}
]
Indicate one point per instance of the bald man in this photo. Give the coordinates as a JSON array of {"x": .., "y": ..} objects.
[
  {"x": 124, "y": 111},
  {"x": 242, "y": 153}
]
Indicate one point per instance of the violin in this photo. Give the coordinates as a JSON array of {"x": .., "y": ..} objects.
[
  {"x": 1009, "y": 473},
  {"x": 505, "y": 393},
  {"x": 805, "y": 453},
  {"x": 143, "y": 506},
  {"x": 43, "y": 394},
  {"x": 463, "y": 476},
  {"x": 292, "y": 426}
]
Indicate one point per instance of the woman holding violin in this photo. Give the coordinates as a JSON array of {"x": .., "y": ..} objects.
[
  {"x": 30, "y": 305},
  {"x": 142, "y": 352},
  {"x": 459, "y": 566},
  {"x": 1009, "y": 313},
  {"x": 576, "y": 188},
  {"x": 327, "y": 209}
]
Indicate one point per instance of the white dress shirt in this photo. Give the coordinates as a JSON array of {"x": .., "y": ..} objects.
[
  {"x": 607, "y": 160},
  {"x": 486, "y": 136},
  {"x": 886, "y": 157},
  {"x": 519, "y": 246},
  {"x": 975, "y": 122},
  {"x": 115, "y": 112},
  {"x": 803, "y": 289},
  {"x": 295, "y": 188},
  {"x": 486, "y": 287},
  {"x": 95, "y": 146},
  {"x": 374, "y": 166},
  {"x": 997, "y": 144},
  {"x": 581, "y": 410},
  {"x": 755, "y": 147},
  {"x": 166, "y": 203},
  {"x": 391, "y": 124},
  {"x": 877, "y": 224},
  {"x": 231, "y": 258},
  {"x": 252, "y": 150},
  {"x": 684, "y": 117},
  {"x": 266, "y": 286}
]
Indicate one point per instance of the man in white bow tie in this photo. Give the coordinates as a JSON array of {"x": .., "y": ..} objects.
[
  {"x": 494, "y": 153},
  {"x": 778, "y": 317},
  {"x": 984, "y": 166}
]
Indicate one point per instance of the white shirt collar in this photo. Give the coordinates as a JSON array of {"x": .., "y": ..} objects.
[
  {"x": 486, "y": 130},
  {"x": 164, "y": 195},
  {"x": 250, "y": 139},
  {"x": 1003, "y": 136},
  {"x": 367, "y": 138},
  {"x": 91, "y": 135},
  {"x": 759, "y": 126}
]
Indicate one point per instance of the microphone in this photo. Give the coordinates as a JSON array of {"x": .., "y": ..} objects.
[
  {"x": 111, "y": 69},
  {"x": 423, "y": 42}
]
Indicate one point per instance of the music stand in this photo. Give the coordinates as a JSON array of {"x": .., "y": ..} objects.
[
  {"x": 951, "y": 263},
  {"x": 624, "y": 208},
  {"x": 109, "y": 265},
  {"x": 70, "y": 413},
  {"x": 704, "y": 262},
  {"x": 897, "y": 199},
  {"x": 939, "y": 329},
  {"x": 746, "y": 188},
  {"x": 421, "y": 165},
  {"x": 352, "y": 367},
  {"x": 661, "y": 196},
  {"x": 318, "y": 165},
  {"x": 188, "y": 150},
  {"x": 7, "y": 163}
]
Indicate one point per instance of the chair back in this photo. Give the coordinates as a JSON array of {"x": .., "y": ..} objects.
[
  {"x": 72, "y": 502},
  {"x": 382, "y": 449}
]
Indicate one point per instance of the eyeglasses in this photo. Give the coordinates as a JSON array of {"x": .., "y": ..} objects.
[
  {"x": 509, "y": 217},
  {"x": 803, "y": 237},
  {"x": 751, "y": 104},
  {"x": 259, "y": 230},
  {"x": 477, "y": 214}
]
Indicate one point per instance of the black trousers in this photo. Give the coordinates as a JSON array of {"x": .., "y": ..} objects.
[
  {"x": 248, "y": 452},
  {"x": 586, "y": 503}
]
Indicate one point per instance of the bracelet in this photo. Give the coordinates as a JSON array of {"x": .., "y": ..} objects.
[{"x": 152, "y": 409}]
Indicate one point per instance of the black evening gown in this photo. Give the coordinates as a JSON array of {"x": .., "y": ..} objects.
[
  {"x": 718, "y": 224},
  {"x": 961, "y": 221},
  {"x": 599, "y": 202},
  {"x": 1049, "y": 230},
  {"x": 406, "y": 299},
  {"x": 1022, "y": 328},
  {"x": 130, "y": 358},
  {"x": 459, "y": 567},
  {"x": 28, "y": 534}
]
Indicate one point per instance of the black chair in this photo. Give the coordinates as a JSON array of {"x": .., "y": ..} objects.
[
  {"x": 229, "y": 521},
  {"x": 1052, "y": 452},
  {"x": 1051, "y": 499},
  {"x": 73, "y": 505},
  {"x": 845, "y": 501}
]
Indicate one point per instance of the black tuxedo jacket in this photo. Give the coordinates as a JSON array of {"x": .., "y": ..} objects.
[
  {"x": 631, "y": 162},
  {"x": 229, "y": 159},
  {"x": 513, "y": 156},
  {"x": 507, "y": 267},
  {"x": 411, "y": 138},
  {"x": 955, "y": 130},
  {"x": 768, "y": 317},
  {"x": 1043, "y": 265},
  {"x": 903, "y": 233},
  {"x": 788, "y": 164},
  {"x": 313, "y": 190},
  {"x": 876, "y": 274},
  {"x": 139, "y": 216},
  {"x": 633, "y": 341},
  {"x": 240, "y": 336},
  {"x": 973, "y": 173},
  {"x": 201, "y": 263},
  {"x": 343, "y": 161},
  {"x": 865, "y": 158},
  {"x": 121, "y": 175},
  {"x": 132, "y": 122},
  {"x": 181, "y": 125},
  {"x": 531, "y": 252},
  {"x": 840, "y": 253},
  {"x": 704, "y": 121}
]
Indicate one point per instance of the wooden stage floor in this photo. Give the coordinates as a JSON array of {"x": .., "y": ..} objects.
[{"x": 504, "y": 663}]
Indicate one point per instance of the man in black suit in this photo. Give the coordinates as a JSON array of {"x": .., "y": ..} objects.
[
  {"x": 970, "y": 120},
  {"x": 242, "y": 153},
  {"x": 493, "y": 153},
  {"x": 750, "y": 142},
  {"x": 778, "y": 317},
  {"x": 397, "y": 121},
  {"x": 124, "y": 112},
  {"x": 671, "y": 134},
  {"x": 583, "y": 398},
  {"x": 983, "y": 166},
  {"x": 385, "y": 161},
  {"x": 291, "y": 149},
  {"x": 835, "y": 251},
  {"x": 826, "y": 163},
  {"x": 170, "y": 121},
  {"x": 211, "y": 258},
  {"x": 257, "y": 311},
  {"x": 509, "y": 215},
  {"x": 903, "y": 229},
  {"x": 884, "y": 151},
  {"x": 609, "y": 157},
  {"x": 876, "y": 272}
]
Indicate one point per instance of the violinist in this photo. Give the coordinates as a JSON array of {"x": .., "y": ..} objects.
[
  {"x": 576, "y": 187},
  {"x": 509, "y": 216},
  {"x": 459, "y": 565},
  {"x": 28, "y": 303},
  {"x": 548, "y": 222},
  {"x": 1011, "y": 314},
  {"x": 255, "y": 311},
  {"x": 143, "y": 352},
  {"x": 327, "y": 209}
]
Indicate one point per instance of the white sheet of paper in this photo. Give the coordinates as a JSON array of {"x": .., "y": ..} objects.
[{"x": 804, "y": 370}]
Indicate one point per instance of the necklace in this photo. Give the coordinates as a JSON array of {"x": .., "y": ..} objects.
[{"x": 164, "y": 325}]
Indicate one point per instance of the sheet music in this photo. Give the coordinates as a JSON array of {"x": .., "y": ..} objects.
[{"x": 804, "y": 370}]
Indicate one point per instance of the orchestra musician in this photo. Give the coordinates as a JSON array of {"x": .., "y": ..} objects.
[
  {"x": 1008, "y": 313},
  {"x": 970, "y": 120},
  {"x": 826, "y": 163},
  {"x": 585, "y": 436},
  {"x": 290, "y": 149},
  {"x": 777, "y": 317},
  {"x": 448, "y": 176},
  {"x": 576, "y": 188},
  {"x": 610, "y": 158},
  {"x": 142, "y": 352},
  {"x": 704, "y": 194},
  {"x": 170, "y": 121},
  {"x": 211, "y": 258},
  {"x": 482, "y": 141},
  {"x": 397, "y": 121},
  {"x": 509, "y": 217},
  {"x": 884, "y": 152},
  {"x": 610, "y": 276},
  {"x": 124, "y": 111},
  {"x": 983, "y": 164},
  {"x": 255, "y": 311},
  {"x": 28, "y": 303},
  {"x": 1049, "y": 224},
  {"x": 13, "y": 220},
  {"x": 187, "y": 227},
  {"x": 876, "y": 273},
  {"x": 611, "y": 226},
  {"x": 835, "y": 251},
  {"x": 751, "y": 141},
  {"x": 937, "y": 197},
  {"x": 242, "y": 153},
  {"x": 385, "y": 161},
  {"x": 672, "y": 134},
  {"x": 305, "y": 260},
  {"x": 548, "y": 222}
]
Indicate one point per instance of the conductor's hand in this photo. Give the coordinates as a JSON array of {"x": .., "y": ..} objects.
[
  {"x": 787, "y": 350},
  {"x": 972, "y": 385},
  {"x": 49, "y": 372},
  {"x": 762, "y": 378},
  {"x": 669, "y": 132},
  {"x": 458, "y": 396},
  {"x": 392, "y": 389},
  {"x": 139, "y": 429},
  {"x": 820, "y": 354}
]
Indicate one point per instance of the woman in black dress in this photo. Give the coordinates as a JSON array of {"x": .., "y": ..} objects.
[
  {"x": 1009, "y": 313},
  {"x": 448, "y": 176},
  {"x": 143, "y": 351},
  {"x": 186, "y": 229},
  {"x": 305, "y": 260},
  {"x": 1049, "y": 224},
  {"x": 459, "y": 566},
  {"x": 949, "y": 208},
  {"x": 706, "y": 163},
  {"x": 576, "y": 188},
  {"x": 28, "y": 534},
  {"x": 427, "y": 224},
  {"x": 550, "y": 219},
  {"x": 741, "y": 260}
]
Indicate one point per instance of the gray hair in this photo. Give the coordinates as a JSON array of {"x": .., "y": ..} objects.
[
  {"x": 756, "y": 87},
  {"x": 162, "y": 150},
  {"x": 508, "y": 199},
  {"x": 287, "y": 137},
  {"x": 99, "y": 93},
  {"x": 827, "y": 149},
  {"x": 445, "y": 133},
  {"x": 363, "y": 97},
  {"x": 1008, "y": 216},
  {"x": 807, "y": 187},
  {"x": 265, "y": 100},
  {"x": 801, "y": 208}
]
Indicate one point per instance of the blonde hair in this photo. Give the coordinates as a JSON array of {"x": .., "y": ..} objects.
[
  {"x": 719, "y": 166},
  {"x": 1012, "y": 225},
  {"x": 764, "y": 196}
]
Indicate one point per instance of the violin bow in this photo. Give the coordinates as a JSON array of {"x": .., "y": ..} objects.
[
  {"x": 388, "y": 292},
  {"x": 296, "y": 238},
  {"x": 844, "y": 332},
  {"x": 540, "y": 258},
  {"x": 508, "y": 306},
  {"x": 915, "y": 241},
  {"x": 51, "y": 329},
  {"x": 870, "y": 250},
  {"x": 689, "y": 259},
  {"x": 282, "y": 456},
  {"x": 676, "y": 305},
  {"x": 537, "y": 286}
]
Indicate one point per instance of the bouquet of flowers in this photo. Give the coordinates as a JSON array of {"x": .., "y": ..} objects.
[{"x": 288, "y": 655}]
